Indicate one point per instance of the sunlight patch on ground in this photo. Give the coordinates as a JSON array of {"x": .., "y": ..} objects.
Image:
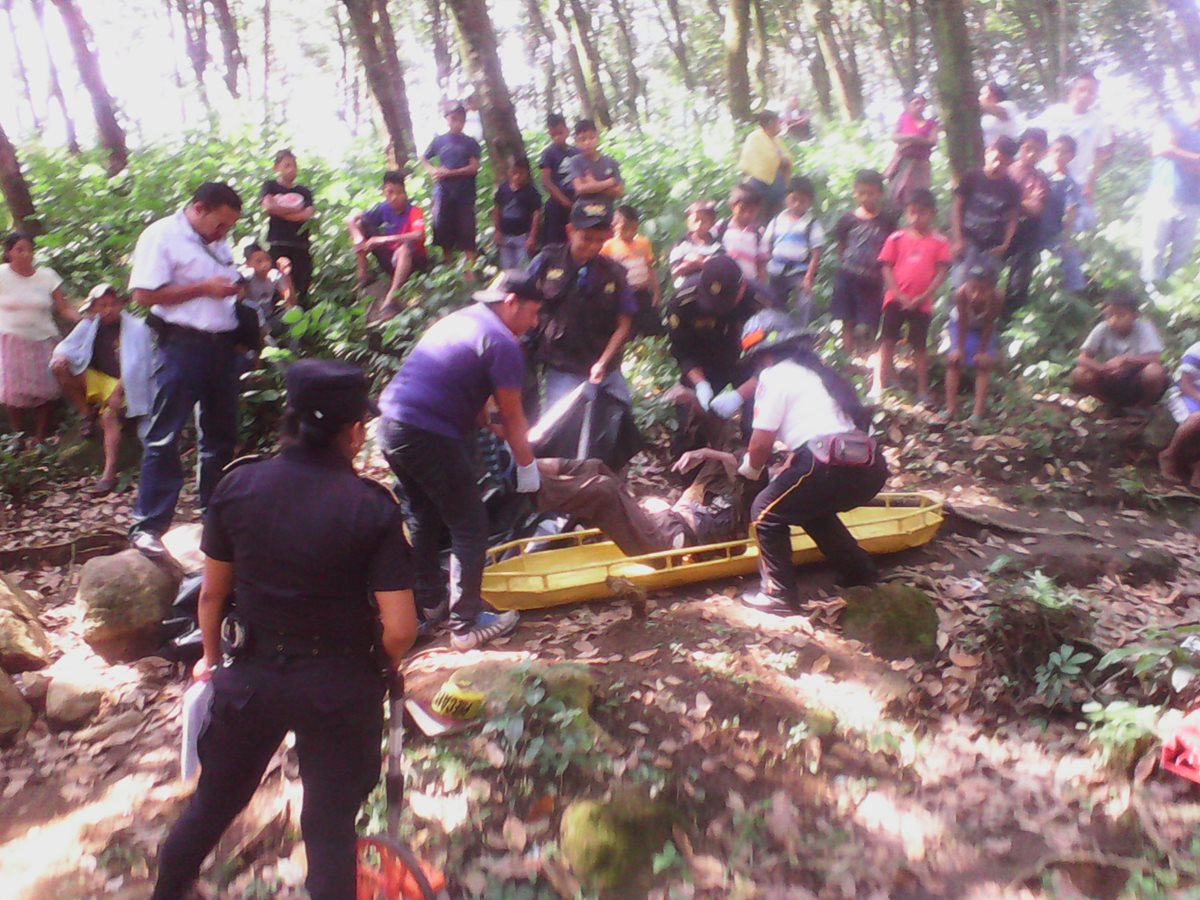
[{"x": 914, "y": 829}]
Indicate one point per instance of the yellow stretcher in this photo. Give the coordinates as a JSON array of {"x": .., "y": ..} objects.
[{"x": 580, "y": 565}]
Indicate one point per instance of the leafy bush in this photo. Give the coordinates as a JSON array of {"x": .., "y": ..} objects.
[{"x": 1060, "y": 674}]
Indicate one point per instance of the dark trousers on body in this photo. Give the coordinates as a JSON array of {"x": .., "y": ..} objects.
[
  {"x": 1023, "y": 258},
  {"x": 335, "y": 707},
  {"x": 302, "y": 268},
  {"x": 193, "y": 369},
  {"x": 439, "y": 481},
  {"x": 810, "y": 494}
]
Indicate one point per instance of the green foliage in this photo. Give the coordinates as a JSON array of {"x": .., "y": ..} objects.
[
  {"x": 1153, "y": 659},
  {"x": 23, "y": 468},
  {"x": 1058, "y": 676},
  {"x": 1122, "y": 730}
]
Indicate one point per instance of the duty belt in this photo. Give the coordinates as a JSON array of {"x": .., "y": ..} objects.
[{"x": 266, "y": 642}]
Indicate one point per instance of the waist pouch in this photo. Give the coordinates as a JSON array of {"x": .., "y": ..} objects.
[{"x": 851, "y": 448}]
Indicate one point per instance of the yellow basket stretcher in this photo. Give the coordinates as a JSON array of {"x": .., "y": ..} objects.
[{"x": 578, "y": 566}]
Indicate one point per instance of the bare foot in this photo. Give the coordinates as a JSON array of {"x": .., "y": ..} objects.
[{"x": 1169, "y": 469}]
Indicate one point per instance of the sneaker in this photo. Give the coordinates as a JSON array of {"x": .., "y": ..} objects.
[
  {"x": 487, "y": 627},
  {"x": 434, "y": 620},
  {"x": 149, "y": 545},
  {"x": 766, "y": 603}
]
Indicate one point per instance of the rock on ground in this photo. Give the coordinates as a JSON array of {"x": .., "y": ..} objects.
[
  {"x": 15, "y": 714},
  {"x": 611, "y": 845},
  {"x": 896, "y": 621},
  {"x": 23, "y": 643},
  {"x": 71, "y": 702},
  {"x": 125, "y": 598}
]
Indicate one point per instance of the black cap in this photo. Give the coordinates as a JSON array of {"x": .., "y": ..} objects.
[
  {"x": 720, "y": 281},
  {"x": 331, "y": 393},
  {"x": 512, "y": 281},
  {"x": 591, "y": 213},
  {"x": 980, "y": 265}
]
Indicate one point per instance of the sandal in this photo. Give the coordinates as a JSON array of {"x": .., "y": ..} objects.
[{"x": 101, "y": 488}]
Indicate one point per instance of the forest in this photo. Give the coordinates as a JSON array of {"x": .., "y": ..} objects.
[{"x": 988, "y": 721}]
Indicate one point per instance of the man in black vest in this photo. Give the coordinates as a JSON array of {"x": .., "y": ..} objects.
[{"x": 588, "y": 308}]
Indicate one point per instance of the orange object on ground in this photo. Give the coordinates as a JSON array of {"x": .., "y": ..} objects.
[
  {"x": 386, "y": 872},
  {"x": 1181, "y": 751}
]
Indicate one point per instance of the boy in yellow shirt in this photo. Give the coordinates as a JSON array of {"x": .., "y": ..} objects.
[{"x": 635, "y": 252}]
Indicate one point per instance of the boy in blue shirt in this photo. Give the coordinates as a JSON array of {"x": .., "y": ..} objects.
[
  {"x": 458, "y": 158},
  {"x": 555, "y": 166},
  {"x": 394, "y": 233},
  {"x": 516, "y": 210},
  {"x": 795, "y": 238}
]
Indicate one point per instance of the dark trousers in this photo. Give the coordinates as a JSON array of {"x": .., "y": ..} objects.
[
  {"x": 1022, "y": 260},
  {"x": 335, "y": 707},
  {"x": 811, "y": 494},
  {"x": 439, "y": 481},
  {"x": 302, "y": 267},
  {"x": 192, "y": 369},
  {"x": 554, "y": 222}
]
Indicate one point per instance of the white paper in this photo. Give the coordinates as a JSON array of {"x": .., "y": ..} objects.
[{"x": 197, "y": 707}]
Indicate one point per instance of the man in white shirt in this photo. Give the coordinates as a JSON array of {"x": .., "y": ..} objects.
[
  {"x": 183, "y": 269},
  {"x": 1086, "y": 123}
]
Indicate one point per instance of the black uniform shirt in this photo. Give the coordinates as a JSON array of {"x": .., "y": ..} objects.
[
  {"x": 707, "y": 340},
  {"x": 309, "y": 541}
]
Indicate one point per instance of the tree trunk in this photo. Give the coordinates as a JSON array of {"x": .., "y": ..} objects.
[
  {"x": 580, "y": 29},
  {"x": 231, "y": 46},
  {"x": 195, "y": 36},
  {"x": 15, "y": 188},
  {"x": 540, "y": 40},
  {"x": 22, "y": 72},
  {"x": 266, "y": 61},
  {"x": 563, "y": 31},
  {"x": 736, "y": 39},
  {"x": 634, "y": 86},
  {"x": 112, "y": 136},
  {"x": 56, "y": 91},
  {"x": 442, "y": 59},
  {"x": 849, "y": 99},
  {"x": 677, "y": 40},
  {"x": 955, "y": 80},
  {"x": 377, "y": 51},
  {"x": 1188, "y": 15},
  {"x": 500, "y": 129},
  {"x": 762, "y": 66}
]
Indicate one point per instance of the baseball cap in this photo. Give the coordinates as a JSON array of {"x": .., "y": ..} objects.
[
  {"x": 100, "y": 290},
  {"x": 330, "y": 392},
  {"x": 590, "y": 213},
  {"x": 720, "y": 281},
  {"x": 512, "y": 281}
]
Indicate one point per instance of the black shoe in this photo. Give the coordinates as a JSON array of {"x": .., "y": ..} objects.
[
  {"x": 149, "y": 545},
  {"x": 766, "y": 603},
  {"x": 864, "y": 576}
]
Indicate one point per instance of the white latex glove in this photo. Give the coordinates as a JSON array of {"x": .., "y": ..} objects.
[
  {"x": 704, "y": 394},
  {"x": 747, "y": 471},
  {"x": 529, "y": 480},
  {"x": 727, "y": 403}
]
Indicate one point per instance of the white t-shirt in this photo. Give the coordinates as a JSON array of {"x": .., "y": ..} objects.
[
  {"x": 27, "y": 303},
  {"x": 171, "y": 252},
  {"x": 994, "y": 127},
  {"x": 1090, "y": 130},
  {"x": 791, "y": 400},
  {"x": 1104, "y": 343},
  {"x": 745, "y": 247}
]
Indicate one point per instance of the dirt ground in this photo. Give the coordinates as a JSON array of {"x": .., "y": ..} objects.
[{"x": 800, "y": 764}]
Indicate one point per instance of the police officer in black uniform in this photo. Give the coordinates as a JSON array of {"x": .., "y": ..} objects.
[
  {"x": 588, "y": 308},
  {"x": 319, "y": 561},
  {"x": 705, "y": 319}
]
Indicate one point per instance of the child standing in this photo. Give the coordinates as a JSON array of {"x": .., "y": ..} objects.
[
  {"x": 688, "y": 256},
  {"x": 1121, "y": 360},
  {"x": 858, "y": 285},
  {"x": 971, "y": 334},
  {"x": 517, "y": 207},
  {"x": 267, "y": 288},
  {"x": 1062, "y": 208},
  {"x": 741, "y": 235},
  {"x": 986, "y": 205},
  {"x": 394, "y": 233},
  {"x": 635, "y": 252},
  {"x": 1026, "y": 247},
  {"x": 104, "y": 366},
  {"x": 794, "y": 239},
  {"x": 458, "y": 158},
  {"x": 915, "y": 262},
  {"x": 593, "y": 174},
  {"x": 555, "y": 165},
  {"x": 289, "y": 207}
]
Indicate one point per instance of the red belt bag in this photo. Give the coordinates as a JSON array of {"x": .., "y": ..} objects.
[{"x": 851, "y": 448}]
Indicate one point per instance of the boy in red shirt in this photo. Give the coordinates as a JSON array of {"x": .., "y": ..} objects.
[{"x": 915, "y": 262}]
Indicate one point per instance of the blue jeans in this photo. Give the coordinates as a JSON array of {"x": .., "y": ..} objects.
[
  {"x": 785, "y": 287},
  {"x": 512, "y": 251},
  {"x": 192, "y": 369},
  {"x": 440, "y": 484}
]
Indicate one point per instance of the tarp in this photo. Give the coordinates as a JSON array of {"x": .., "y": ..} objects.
[{"x": 588, "y": 423}]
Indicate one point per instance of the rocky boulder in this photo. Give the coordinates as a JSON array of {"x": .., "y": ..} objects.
[
  {"x": 71, "y": 701},
  {"x": 125, "y": 598},
  {"x": 15, "y": 714},
  {"x": 896, "y": 621},
  {"x": 23, "y": 643},
  {"x": 610, "y": 846}
]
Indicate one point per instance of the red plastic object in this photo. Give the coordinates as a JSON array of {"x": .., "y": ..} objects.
[
  {"x": 385, "y": 872},
  {"x": 1181, "y": 752}
]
